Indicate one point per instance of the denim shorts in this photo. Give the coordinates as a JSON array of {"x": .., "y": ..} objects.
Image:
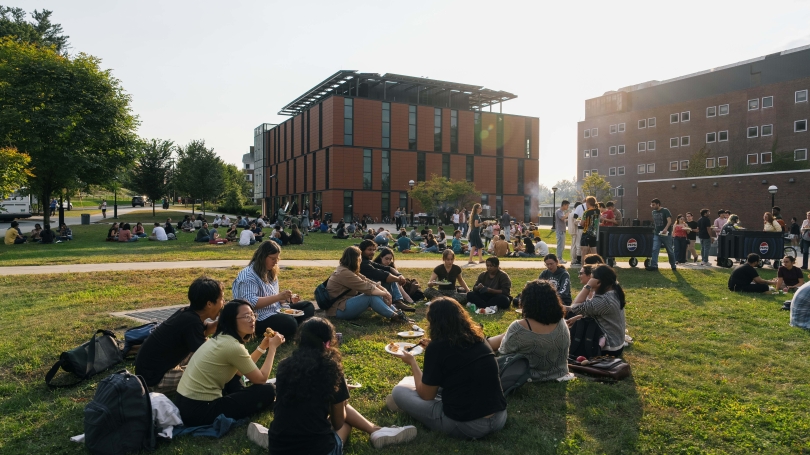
[{"x": 338, "y": 450}]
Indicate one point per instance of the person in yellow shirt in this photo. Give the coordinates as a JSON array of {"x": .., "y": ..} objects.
[{"x": 13, "y": 236}]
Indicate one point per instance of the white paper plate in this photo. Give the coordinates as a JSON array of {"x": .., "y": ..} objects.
[
  {"x": 402, "y": 345},
  {"x": 411, "y": 334},
  {"x": 519, "y": 310},
  {"x": 488, "y": 311},
  {"x": 291, "y": 312}
]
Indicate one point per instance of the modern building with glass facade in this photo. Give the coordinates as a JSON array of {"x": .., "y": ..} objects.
[{"x": 354, "y": 141}]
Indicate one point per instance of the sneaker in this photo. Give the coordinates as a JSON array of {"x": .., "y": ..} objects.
[
  {"x": 563, "y": 262},
  {"x": 392, "y": 435},
  {"x": 400, "y": 305},
  {"x": 257, "y": 434},
  {"x": 391, "y": 404},
  {"x": 651, "y": 269}
]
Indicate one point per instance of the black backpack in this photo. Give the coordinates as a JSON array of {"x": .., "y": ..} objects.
[
  {"x": 585, "y": 335},
  {"x": 119, "y": 419},
  {"x": 514, "y": 371},
  {"x": 322, "y": 296}
]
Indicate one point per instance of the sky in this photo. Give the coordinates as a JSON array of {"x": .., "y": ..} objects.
[{"x": 216, "y": 70}]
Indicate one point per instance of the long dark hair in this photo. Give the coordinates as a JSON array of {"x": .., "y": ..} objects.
[
  {"x": 258, "y": 261},
  {"x": 450, "y": 322},
  {"x": 541, "y": 302},
  {"x": 314, "y": 369},
  {"x": 607, "y": 278},
  {"x": 385, "y": 252},
  {"x": 227, "y": 320}
]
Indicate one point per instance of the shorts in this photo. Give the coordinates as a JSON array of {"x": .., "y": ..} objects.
[{"x": 588, "y": 240}]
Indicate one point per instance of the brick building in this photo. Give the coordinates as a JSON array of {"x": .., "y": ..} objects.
[
  {"x": 707, "y": 139},
  {"x": 354, "y": 141},
  {"x": 247, "y": 167}
]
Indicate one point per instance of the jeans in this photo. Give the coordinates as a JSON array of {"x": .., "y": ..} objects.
[
  {"x": 561, "y": 245},
  {"x": 356, "y": 305},
  {"x": 804, "y": 246},
  {"x": 486, "y": 299},
  {"x": 680, "y": 249},
  {"x": 393, "y": 289},
  {"x": 705, "y": 246},
  {"x": 431, "y": 414},
  {"x": 576, "y": 236},
  {"x": 432, "y": 249},
  {"x": 205, "y": 239},
  {"x": 666, "y": 240}
]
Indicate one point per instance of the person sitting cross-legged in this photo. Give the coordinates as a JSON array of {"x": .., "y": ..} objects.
[
  {"x": 158, "y": 233},
  {"x": 387, "y": 276},
  {"x": 746, "y": 279},
  {"x": 606, "y": 307},
  {"x": 789, "y": 277},
  {"x": 492, "y": 287},
  {"x": 404, "y": 243},
  {"x": 203, "y": 235},
  {"x": 448, "y": 271}
]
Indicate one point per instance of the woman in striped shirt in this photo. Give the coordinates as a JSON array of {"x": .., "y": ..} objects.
[{"x": 606, "y": 307}]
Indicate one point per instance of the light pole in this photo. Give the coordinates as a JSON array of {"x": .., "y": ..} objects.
[
  {"x": 772, "y": 189},
  {"x": 554, "y": 209},
  {"x": 115, "y": 201},
  {"x": 410, "y": 200},
  {"x": 621, "y": 197}
]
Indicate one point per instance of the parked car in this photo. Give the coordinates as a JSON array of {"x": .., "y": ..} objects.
[
  {"x": 138, "y": 200},
  {"x": 67, "y": 205}
]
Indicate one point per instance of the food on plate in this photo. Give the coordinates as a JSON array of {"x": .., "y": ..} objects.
[
  {"x": 393, "y": 347},
  {"x": 288, "y": 311},
  {"x": 269, "y": 333},
  {"x": 410, "y": 332},
  {"x": 482, "y": 311}
]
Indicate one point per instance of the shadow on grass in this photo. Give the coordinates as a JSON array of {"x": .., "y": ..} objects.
[{"x": 610, "y": 413}]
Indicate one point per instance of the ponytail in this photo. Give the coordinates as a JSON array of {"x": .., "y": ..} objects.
[{"x": 619, "y": 293}]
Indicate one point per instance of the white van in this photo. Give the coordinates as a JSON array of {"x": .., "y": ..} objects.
[{"x": 15, "y": 207}]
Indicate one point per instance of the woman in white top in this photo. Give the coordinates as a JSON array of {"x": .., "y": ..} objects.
[{"x": 771, "y": 225}]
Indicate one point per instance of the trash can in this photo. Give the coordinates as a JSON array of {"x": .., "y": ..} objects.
[
  {"x": 740, "y": 243},
  {"x": 636, "y": 222},
  {"x": 85, "y": 218},
  {"x": 616, "y": 242}
]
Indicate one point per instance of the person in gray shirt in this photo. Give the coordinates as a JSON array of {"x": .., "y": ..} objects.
[{"x": 559, "y": 226}]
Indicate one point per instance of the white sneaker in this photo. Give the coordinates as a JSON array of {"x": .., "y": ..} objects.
[
  {"x": 392, "y": 435},
  {"x": 257, "y": 434},
  {"x": 563, "y": 262}
]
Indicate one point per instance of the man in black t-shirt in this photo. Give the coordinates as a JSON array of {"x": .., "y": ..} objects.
[
  {"x": 746, "y": 279},
  {"x": 705, "y": 231},
  {"x": 163, "y": 356}
]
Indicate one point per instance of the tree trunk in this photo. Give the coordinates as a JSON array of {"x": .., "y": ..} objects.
[
  {"x": 61, "y": 210},
  {"x": 203, "y": 207},
  {"x": 46, "y": 209}
]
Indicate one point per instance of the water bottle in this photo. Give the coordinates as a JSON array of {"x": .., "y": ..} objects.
[{"x": 472, "y": 307}]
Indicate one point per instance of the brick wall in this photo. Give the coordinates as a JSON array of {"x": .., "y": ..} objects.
[
  {"x": 489, "y": 133},
  {"x": 332, "y": 121},
  {"x": 514, "y": 141},
  {"x": 399, "y": 126},
  {"x": 485, "y": 175},
  {"x": 424, "y": 128},
  {"x": 466, "y": 132},
  {"x": 367, "y": 123}
]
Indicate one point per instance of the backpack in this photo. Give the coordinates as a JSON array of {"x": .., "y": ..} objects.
[
  {"x": 135, "y": 337},
  {"x": 119, "y": 419},
  {"x": 413, "y": 289},
  {"x": 585, "y": 335},
  {"x": 87, "y": 360},
  {"x": 322, "y": 296},
  {"x": 514, "y": 372}
]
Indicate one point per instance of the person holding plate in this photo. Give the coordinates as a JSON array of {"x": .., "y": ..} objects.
[
  {"x": 458, "y": 360},
  {"x": 445, "y": 276},
  {"x": 258, "y": 285}
]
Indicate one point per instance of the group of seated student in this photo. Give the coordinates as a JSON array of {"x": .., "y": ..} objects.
[
  {"x": 386, "y": 275},
  {"x": 39, "y": 235},
  {"x": 125, "y": 234},
  {"x": 447, "y": 272},
  {"x": 745, "y": 277}
]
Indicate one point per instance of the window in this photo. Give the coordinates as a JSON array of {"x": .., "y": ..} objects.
[
  {"x": 445, "y": 165},
  {"x": 710, "y": 163},
  {"x": 520, "y": 175},
  {"x": 800, "y": 126},
  {"x": 753, "y": 131},
  {"x": 651, "y": 168},
  {"x": 587, "y": 153},
  {"x": 673, "y": 142},
  {"x": 437, "y": 130},
  {"x": 386, "y": 170},
  {"x": 724, "y": 109},
  {"x": 711, "y": 137},
  {"x": 767, "y": 102},
  {"x": 612, "y": 150},
  {"x": 612, "y": 171},
  {"x": 684, "y": 165},
  {"x": 477, "y": 134},
  {"x": 587, "y": 133},
  {"x": 711, "y": 111},
  {"x": 620, "y": 170},
  {"x": 528, "y": 129},
  {"x": 651, "y": 122},
  {"x": 642, "y": 124},
  {"x": 673, "y": 166},
  {"x": 685, "y": 116},
  {"x": 684, "y": 141},
  {"x": 753, "y": 104},
  {"x": 650, "y": 145},
  {"x": 722, "y": 136},
  {"x": 801, "y": 96},
  {"x": 767, "y": 130},
  {"x": 722, "y": 161},
  {"x": 621, "y": 127},
  {"x": 454, "y": 132},
  {"x": 594, "y": 171},
  {"x": 499, "y": 136},
  {"x": 642, "y": 146},
  {"x": 411, "y": 127},
  {"x": 470, "y": 168},
  {"x": 385, "y": 203},
  {"x": 366, "y": 169},
  {"x": 612, "y": 129},
  {"x": 586, "y": 174},
  {"x": 594, "y": 153},
  {"x": 619, "y": 192},
  {"x": 642, "y": 168},
  {"x": 766, "y": 158},
  {"x": 621, "y": 150},
  {"x": 499, "y": 175},
  {"x": 347, "y": 206},
  {"x": 800, "y": 155},
  {"x": 594, "y": 132},
  {"x": 348, "y": 121},
  {"x": 386, "y": 125},
  {"x": 674, "y": 118},
  {"x": 420, "y": 166},
  {"x": 753, "y": 158}
]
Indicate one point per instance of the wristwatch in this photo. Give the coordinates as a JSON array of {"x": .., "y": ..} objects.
[
  {"x": 588, "y": 287},
  {"x": 263, "y": 351}
]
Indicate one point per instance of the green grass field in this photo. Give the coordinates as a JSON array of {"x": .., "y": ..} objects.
[{"x": 713, "y": 372}]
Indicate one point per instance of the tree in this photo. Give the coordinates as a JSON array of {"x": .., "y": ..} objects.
[
  {"x": 233, "y": 197},
  {"x": 71, "y": 117},
  {"x": 41, "y": 32},
  {"x": 461, "y": 193},
  {"x": 431, "y": 193},
  {"x": 152, "y": 171},
  {"x": 544, "y": 194},
  {"x": 14, "y": 171},
  {"x": 199, "y": 172},
  {"x": 595, "y": 185},
  {"x": 566, "y": 189}
]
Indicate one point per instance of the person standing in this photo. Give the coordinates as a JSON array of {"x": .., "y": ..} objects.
[
  {"x": 805, "y": 245},
  {"x": 462, "y": 221},
  {"x": 397, "y": 213},
  {"x": 53, "y": 206},
  {"x": 720, "y": 221},
  {"x": 617, "y": 214},
  {"x": 704, "y": 225},
  {"x": 662, "y": 234},
  {"x": 455, "y": 220},
  {"x": 691, "y": 237},
  {"x": 559, "y": 226},
  {"x": 590, "y": 227},
  {"x": 505, "y": 219},
  {"x": 475, "y": 234},
  {"x": 574, "y": 229},
  {"x": 103, "y": 208},
  {"x": 304, "y": 221}
]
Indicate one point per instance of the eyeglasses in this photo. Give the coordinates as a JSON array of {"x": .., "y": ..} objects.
[{"x": 250, "y": 317}]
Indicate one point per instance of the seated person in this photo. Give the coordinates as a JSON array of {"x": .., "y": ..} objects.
[
  {"x": 217, "y": 221},
  {"x": 431, "y": 245},
  {"x": 34, "y": 235},
  {"x": 340, "y": 231},
  {"x": 447, "y": 271},
  {"x": 500, "y": 247},
  {"x": 296, "y": 238},
  {"x": 158, "y": 233},
  {"x": 312, "y": 414},
  {"x": 241, "y": 222},
  {"x": 316, "y": 226},
  {"x": 789, "y": 277},
  {"x": 139, "y": 231},
  {"x": 112, "y": 233},
  {"x": 460, "y": 362},
  {"x": 257, "y": 231},
  {"x": 528, "y": 248},
  {"x": 558, "y": 277},
  {"x": 225, "y": 221},
  {"x": 387, "y": 276},
  {"x": 541, "y": 247},
  {"x": 65, "y": 233},
  {"x": 47, "y": 235},
  {"x": 800, "y": 308},
  {"x": 187, "y": 226},
  {"x": 216, "y": 239},
  {"x": 606, "y": 306},
  {"x": 441, "y": 239},
  {"x": 542, "y": 336},
  {"x": 211, "y": 384},
  {"x": 180, "y": 223},
  {"x": 404, "y": 243},
  {"x": 246, "y": 238},
  {"x": 125, "y": 234},
  {"x": 203, "y": 235},
  {"x": 382, "y": 237},
  {"x": 746, "y": 279},
  {"x": 352, "y": 228},
  {"x": 369, "y": 235},
  {"x": 414, "y": 236},
  {"x": 324, "y": 228},
  {"x": 232, "y": 233},
  {"x": 169, "y": 227},
  {"x": 593, "y": 259},
  {"x": 456, "y": 245},
  {"x": 13, "y": 236},
  {"x": 198, "y": 223},
  {"x": 162, "y": 358},
  {"x": 492, "y": 287}
]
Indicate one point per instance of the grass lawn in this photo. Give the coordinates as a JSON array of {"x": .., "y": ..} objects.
[{"x": 712, "y": 372}]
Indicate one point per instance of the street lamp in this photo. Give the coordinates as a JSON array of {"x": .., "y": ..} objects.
[
  {"x": 115, "y": 201},
  {"x": 410, "y": 200},
  {"x": 772, "y": 189},
  {"x": 554, "y": 209}
]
